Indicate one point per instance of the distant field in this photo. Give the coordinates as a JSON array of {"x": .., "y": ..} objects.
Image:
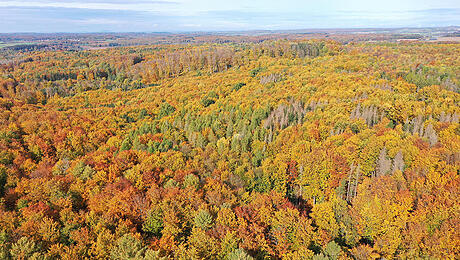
[
  {"x": 10, "y": 44},
  {"x": 447, "y": 39}
]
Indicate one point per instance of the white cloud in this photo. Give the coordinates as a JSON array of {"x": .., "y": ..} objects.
[
  {"x": 183, "y": 15},
  {"x": 100, "y": 21},
  {"x": 107, "y": 5}
]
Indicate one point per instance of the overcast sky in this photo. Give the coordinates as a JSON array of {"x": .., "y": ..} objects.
[{"x": 217, "y": 15}]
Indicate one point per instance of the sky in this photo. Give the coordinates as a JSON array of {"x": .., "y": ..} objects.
[{"x": 217, "y": 15}]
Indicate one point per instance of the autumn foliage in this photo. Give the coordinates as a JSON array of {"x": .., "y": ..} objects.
[{"x": 273, "y": 150}]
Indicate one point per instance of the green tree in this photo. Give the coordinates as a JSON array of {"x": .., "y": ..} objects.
[
  {"x": 239, "y": 254},
  {"x": 203, "y": 219},
  {"x": 165, "y": 110},
  {"x": 24, "y": 249},
  {"x": 127, "y": 248},
  {"x": 191, "y": 180},
  {"x": 154, "y": 223}
]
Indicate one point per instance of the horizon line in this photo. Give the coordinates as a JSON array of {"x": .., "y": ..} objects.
[{"x": 236, "y": 31}]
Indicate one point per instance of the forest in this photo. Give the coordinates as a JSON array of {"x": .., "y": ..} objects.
[{"x": 270, "y": 149}]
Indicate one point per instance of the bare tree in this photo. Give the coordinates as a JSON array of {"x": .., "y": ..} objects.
[
  {"x": 430, "y": 134},
  {"x": 353, "y": 180},
  {"x": 383, "y": 163},
  {"x": 398, "y": 162}
]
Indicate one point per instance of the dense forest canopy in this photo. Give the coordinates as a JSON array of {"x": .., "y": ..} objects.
[{"x": 280, "y": 149}]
